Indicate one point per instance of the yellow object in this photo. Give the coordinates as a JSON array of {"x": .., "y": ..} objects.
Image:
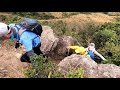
[{"x": 79, "y": 50}]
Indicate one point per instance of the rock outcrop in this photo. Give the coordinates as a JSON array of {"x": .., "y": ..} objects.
[
  {"x": 79, "y": 61},
  {"x": 53, "y": 46},
  {"x": 108, "y": 71},
  {"x": 92, "y": 69},
  {"x": 61, "y": 51},
  {"x": 49, "y": 41},
  {"x": 56, "y": 48}
]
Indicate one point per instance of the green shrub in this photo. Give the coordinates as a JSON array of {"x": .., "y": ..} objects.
[
  {"x": 41, "y": 67},
  {"x": 36, "y": 15},
  {"x": 3, "y": 18},
  {"x": 44, "y": 68},
  {"x": 114, "y": 49},
  {"x": 12, "y": 19},
  {"x": 107, "y": 39},
  {"x": 79, "y": 73},
  {"x": 101, "y": 37},
  {"x": 73, "y": 73}
]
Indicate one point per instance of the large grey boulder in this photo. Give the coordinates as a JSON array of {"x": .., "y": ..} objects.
[
  {"x": 53, "y": 46},
  {"x": 91, "y": 68},
  {"x": 49, "y": 41},
  {"x": 79, "y": 61},
  {"x": 108, "y": 71},
  {"x": 61, "y": 51}
]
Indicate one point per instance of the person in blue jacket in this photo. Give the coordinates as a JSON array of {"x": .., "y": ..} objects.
[{"x": 29, "y": 40}]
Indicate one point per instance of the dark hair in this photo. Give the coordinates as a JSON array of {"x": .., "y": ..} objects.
[{"x": 8, "y": 27}]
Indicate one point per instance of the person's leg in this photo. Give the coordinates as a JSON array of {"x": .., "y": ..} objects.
[
  {"x": 25, "y": 58},
  {"x": 91, "y": 54},
  {"x": 37, "y": 50}
]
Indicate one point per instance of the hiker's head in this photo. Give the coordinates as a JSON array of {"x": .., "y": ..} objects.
[
  {"x": 5, "y": 31},
  {"x": 92, "y": 44}
]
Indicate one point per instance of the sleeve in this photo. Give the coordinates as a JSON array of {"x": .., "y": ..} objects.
[
  {"x": 98, "y": 54},
  {"x": 73, "y": 47}
]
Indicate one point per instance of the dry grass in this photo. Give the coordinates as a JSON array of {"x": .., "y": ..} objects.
[
  {"x": 57, "y": 14},
  {"x": 82, "y": 21}
]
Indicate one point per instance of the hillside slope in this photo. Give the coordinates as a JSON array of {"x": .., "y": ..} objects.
[{"x": 11, "y": 67}]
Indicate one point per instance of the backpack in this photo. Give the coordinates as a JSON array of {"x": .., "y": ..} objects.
[{"x": 31, "y": 25}]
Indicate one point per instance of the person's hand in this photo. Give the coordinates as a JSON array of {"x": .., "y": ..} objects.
[
  {"x": 17, "y": 45},
  {"x": 104, "y": 59},
  {"x": 18, "y": 55}
]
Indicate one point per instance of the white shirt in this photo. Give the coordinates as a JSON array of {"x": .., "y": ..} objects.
[{"x": 92, "y": 49}]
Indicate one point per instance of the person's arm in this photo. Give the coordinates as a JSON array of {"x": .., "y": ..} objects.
[
  {"x": 98, "y": 54},
  {"x": 8, "y": 35}
]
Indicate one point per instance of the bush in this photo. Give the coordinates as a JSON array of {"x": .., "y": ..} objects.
[
  {"x": 36, "y": 15},
  {"x": 41, "y": 67},
  {"x": 44, "y": 68},
  {"x": 101, "y": 37},
  {"x": 73, "y": 73},
  {"x": 11, "y": 19},
  {"x": 107, "y": 41},
  {"x": 79, "y": 73},
  {"x": 114, "y": 58}
]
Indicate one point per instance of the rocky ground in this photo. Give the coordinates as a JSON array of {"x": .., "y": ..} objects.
[{"x": 10, "y": 65}]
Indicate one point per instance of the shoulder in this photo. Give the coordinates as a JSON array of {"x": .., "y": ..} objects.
[{"x": 12, "y": 24}]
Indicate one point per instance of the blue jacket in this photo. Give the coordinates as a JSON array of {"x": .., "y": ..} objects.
[{"x": 28, "y": 39}]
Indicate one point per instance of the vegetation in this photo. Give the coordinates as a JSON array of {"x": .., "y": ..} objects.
[
  {"x": 109, "y": 42},
  {"x": 44, "y": 68}
]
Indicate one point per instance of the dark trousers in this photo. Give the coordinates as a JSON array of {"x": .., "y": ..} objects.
[{"x": 26, "y": 58}]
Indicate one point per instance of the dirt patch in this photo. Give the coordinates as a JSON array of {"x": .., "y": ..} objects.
[{"x": 10, "y": 66}]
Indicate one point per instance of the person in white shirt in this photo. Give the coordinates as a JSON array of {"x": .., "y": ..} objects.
[{"x": 91, "y": 50}]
